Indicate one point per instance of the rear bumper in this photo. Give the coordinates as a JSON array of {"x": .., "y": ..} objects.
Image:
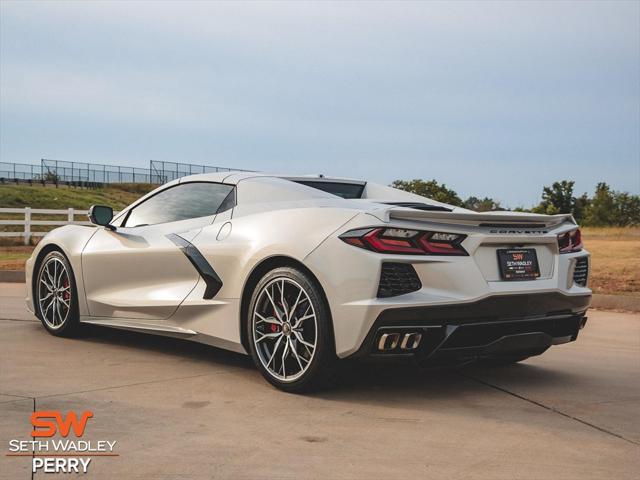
[
  {"x": 501, "y": 325},
  {"x": 351, "y": 278}
]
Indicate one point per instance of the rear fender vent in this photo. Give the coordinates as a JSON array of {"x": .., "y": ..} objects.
[
  {"x": 397, "y": 279},
  {"x": 581, "y": 271}
]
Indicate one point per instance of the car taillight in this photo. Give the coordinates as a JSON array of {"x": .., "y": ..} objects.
[
  {"x": 405, "y": 242},
  {"x": 570, "y": 241}
]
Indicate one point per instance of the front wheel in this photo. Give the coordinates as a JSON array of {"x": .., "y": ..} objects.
[
  {"x": 55, "y": 297},
  {"x": 290, "y": 331}
]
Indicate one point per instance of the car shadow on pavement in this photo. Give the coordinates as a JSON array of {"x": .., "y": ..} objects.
[
  {"x": 405, "y": 380},
  {"x": 165, "y": 345},
  {"x": 401, "y": 380}
]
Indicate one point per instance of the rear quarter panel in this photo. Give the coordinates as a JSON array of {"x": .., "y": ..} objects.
[
  {"x": 253, "y": 238},
  {"x": 234, "y": 248}
]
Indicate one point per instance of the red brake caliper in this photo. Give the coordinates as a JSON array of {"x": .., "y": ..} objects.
[
  {"x": 66, "y": 295},
  {"x": 274, "y": 327}
]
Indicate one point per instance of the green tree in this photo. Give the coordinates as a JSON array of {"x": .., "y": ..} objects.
[
  {"x": 611, "y": 208},
  {"x": 558, "y": 198},
  {"x": 430, "y": 189},
  {"x": 628, "y": 209},
  {"x": 581, "y": 206},
  {"x": 485, "y": 204},
  {"x": 602, "y": 210}
]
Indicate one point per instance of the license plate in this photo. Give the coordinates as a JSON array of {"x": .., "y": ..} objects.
[{"x": 518, "y": 264}]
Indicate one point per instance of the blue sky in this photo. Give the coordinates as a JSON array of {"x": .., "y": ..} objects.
[{"x": 493, "y": 99}]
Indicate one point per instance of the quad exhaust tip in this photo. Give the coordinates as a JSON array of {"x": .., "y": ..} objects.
[
  {"x": 408, "y": 342},
  {"x": 411, "y": 341},
  {"x": 388, "y": 341}
]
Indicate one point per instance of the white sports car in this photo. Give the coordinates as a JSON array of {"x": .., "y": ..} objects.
[{"x": 300, "y": 272}]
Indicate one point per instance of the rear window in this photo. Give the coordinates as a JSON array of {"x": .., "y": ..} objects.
[{"x": 344, "y": 190}]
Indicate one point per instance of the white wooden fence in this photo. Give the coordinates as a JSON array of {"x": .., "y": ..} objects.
[{"x": 27, "y": 222}]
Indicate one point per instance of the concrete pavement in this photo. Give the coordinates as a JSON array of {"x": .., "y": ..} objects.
[{"x": 183, "y": 410}]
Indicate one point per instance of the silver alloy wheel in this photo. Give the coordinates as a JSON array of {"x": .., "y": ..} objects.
[
  {"x": 54, "y": 293},
  {"x": 285, "y": 329}
]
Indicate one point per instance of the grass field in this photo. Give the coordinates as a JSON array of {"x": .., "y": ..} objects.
[
  {"x": 50, "y": 197},
  {"x": 117, "y": 197},
  {"x": 615, "y": 260},
  {"x": 13, "y": 257}
]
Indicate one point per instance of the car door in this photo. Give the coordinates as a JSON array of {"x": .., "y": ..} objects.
[{"x": 140, "y": 270}]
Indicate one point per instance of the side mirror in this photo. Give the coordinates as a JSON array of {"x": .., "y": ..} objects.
[{"x": 101, "y": 215}]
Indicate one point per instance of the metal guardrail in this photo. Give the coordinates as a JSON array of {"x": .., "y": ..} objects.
[{"x": 28, "y": 222}]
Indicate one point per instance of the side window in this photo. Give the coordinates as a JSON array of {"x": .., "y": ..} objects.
[
  {"x": 184, "y": 201},
  {"x": 344, "y": 190}
]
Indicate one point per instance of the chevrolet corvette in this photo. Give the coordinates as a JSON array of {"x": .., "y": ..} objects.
[{"x": 304, "y": 272}]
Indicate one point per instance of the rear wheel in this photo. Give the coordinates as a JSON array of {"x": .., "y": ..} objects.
[
  {"x": 290, "y": 332},
  {"x": 55, "y": 296}
]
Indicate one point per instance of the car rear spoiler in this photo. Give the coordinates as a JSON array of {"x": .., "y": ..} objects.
[{"x": 486, "y": 219}]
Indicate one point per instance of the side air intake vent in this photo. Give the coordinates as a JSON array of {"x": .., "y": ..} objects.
[
  {"x": 581, "y": 272},
  {"x": 397, "y": 279}
]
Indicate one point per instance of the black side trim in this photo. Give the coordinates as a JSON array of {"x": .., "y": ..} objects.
[{"x": 204, "y": 268}]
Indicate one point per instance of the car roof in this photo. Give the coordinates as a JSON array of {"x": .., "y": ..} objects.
[
  {"x": 234, "y": 177},
  {"x": 371, "y": 191}
]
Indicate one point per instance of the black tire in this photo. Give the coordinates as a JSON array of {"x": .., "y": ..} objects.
[
  {"x": 318, "y": 372},
  {"x": 68, "y": 317}
]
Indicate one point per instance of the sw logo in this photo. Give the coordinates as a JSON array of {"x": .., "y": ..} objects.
[
  {"x": 52, "y": 451},
  {"x": 46, "y": 424},
  {"x": 50, "y": 422}
]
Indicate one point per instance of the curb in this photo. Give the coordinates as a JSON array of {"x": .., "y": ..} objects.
[
  {"x": 12, "y": 276},
  {"x": 615, "y": 302}
]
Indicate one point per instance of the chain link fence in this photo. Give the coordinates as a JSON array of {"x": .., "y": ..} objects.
[
  {"x": 62, "y": 171},
  {"x": 171, "y": 170},
  {"x": 20, "y": 171}
]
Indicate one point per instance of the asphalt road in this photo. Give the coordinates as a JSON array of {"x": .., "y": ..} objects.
[{"x": 182, "y": 410}]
